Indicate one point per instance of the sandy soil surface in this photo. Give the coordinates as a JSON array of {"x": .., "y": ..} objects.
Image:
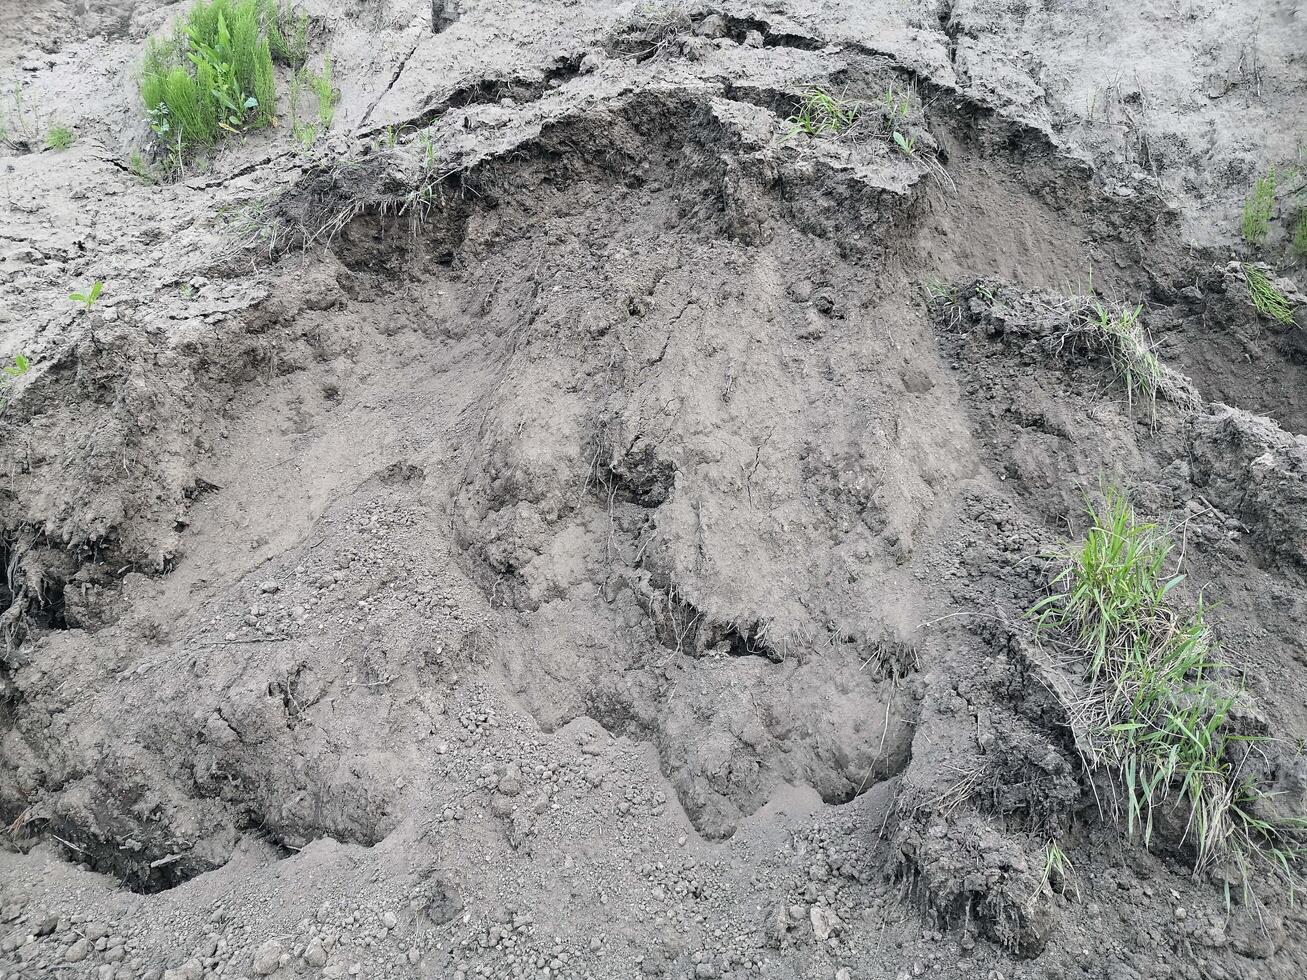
[{"x": 564, "y": 523}]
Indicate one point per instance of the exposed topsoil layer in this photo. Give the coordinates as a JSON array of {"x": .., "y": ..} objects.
[{"x": 565, "y": 522}]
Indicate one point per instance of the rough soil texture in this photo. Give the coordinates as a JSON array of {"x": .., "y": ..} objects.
[{"x": 580, "y": 549}]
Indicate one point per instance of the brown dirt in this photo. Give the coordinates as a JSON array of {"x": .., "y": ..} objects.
[{"x": 583, "y": 550}]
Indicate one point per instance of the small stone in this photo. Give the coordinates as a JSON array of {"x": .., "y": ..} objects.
[
  {"x": 1181, "y": 913},
  {"x": 269, "y": 587},
  {"x": 389, "y": 921},
  {"x": 753, "y": 40},
  {"x": 314, "y": 954},
  {"x": 267, "y": 958},
  {"x": 78, "y": 951}
]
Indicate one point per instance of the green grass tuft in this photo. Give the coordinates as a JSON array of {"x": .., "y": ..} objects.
[
  {"x": 1122, "y": 333},
  {"x": 1299, "y": 243},
  {"x": 1155, "y": 716},
  {"x": 1265, "y": 297},
  {"x": 1257, "y": 209},
  {"x": 287, "y": 32},
  {"x": 823, "y": 114},
  {"x": 59, "y": 137}
]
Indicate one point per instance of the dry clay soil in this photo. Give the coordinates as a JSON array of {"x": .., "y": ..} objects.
[{"x": 544, "y": 528}]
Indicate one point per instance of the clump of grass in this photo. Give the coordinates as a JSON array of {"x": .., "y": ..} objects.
[
  {"x": 59, "y": 137},
  {"x": 822, "y": 114},
  {"x": 1154, "y": 715},
  {"x": 1058, "y": 873},
  {"x": 213, "y": 76},
  {"x": 1122, "y": 334},
  {"x": 323, "y": 87},
  {"x": 1257, "y": 209},
  {"x": 1263, "y": 294},
  {"x": 288, "y": 33}
]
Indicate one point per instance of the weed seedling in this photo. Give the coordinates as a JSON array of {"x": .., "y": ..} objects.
[
  {"x": 59, "y": 137},
  {"x": 1257, "y": 209},
  {"x": 906, "y": 144},
  {"x": 20, "y": 366},
  {"x": 1299, "y": 245},
  {"x": 1265, "y": 297},
  {"x": 88, "y": 298}
]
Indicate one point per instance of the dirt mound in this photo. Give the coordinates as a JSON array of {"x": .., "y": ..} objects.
[{"x": 570, "y": 521}]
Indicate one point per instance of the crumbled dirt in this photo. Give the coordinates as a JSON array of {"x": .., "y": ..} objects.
[{"x": 584, "y": 548}]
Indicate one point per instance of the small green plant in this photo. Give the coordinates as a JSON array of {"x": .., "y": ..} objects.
[
  {"x": 427, "y": 141},
  {"x": 906, "y": 144},
  {"x": 328, "y": 96},
  {"x": 1058, "y": 873},
  {"x": 1263, "y": 294},
  {"x": 20, "y": 366},
  {"x": 895, "y": 105},
  {"x": 1257, "y": 209},
  {"x": 823, "y": 114},
  {"x": 1299, "y": 243},
  {"x": 140, "y": 169},
  {"x": 213, "y": 76},
  {"x": 88, "y": 298},
  {"x": 1154, "y": 714},
  {"x": 59, "y": 137}
]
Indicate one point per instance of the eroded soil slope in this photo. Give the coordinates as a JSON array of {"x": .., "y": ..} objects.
[{"x": 567, "y": 523}]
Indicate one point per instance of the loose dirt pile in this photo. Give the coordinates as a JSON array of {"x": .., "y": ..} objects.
[{"x": 565, "y": 522}]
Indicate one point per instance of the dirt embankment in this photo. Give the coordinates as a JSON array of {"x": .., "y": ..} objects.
[{"x": 567, "y": 522}]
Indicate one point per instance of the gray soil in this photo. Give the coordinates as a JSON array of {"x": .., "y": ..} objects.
[{"x": 580, "y": 549}]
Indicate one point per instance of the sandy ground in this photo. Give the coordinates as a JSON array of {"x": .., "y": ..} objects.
[{"x": 552, "y": 526}]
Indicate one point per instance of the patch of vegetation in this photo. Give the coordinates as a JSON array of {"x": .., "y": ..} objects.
[
  {"x": 1257, "y": 209},
  {"x": 655, "y": 30},
  {"x": 139, "y": 168},
  {"x": 288, "y": 33},
  {"x": 322, "y": 85},
  {"x": 1263, "y": 294},
  {"x": 20, "y": 127},
  {"x": 88, "y": 298},
  {"x": 1154, "y": 716},
  {"x": 213, "y": 76},
  {"x": 1122, "y": 334},
  {"x": 823, "y": 114},
  {"x": 1299, "y": 243},
  {"x": 20, "y": 367},
  {"x": 1059, "y": 873},
  {"x": 59, "y": 137}
]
